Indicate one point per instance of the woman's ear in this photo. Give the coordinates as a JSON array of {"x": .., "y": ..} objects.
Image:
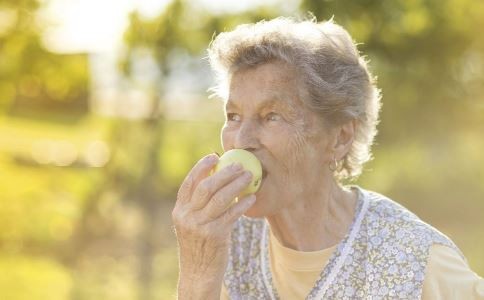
[{"x": 344, "y": 139}]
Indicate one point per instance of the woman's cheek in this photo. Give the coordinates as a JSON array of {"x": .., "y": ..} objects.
[
  {"x": 273, "y": 138},
  {"x": 296, "y": 150}
]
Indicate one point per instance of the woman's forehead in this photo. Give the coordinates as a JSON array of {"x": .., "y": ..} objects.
[{"x": 268, "y": 85}]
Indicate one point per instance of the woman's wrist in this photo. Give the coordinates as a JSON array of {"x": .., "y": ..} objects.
[{"x": 195, "y": 287}]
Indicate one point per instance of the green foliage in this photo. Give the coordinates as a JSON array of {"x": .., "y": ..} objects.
[{"x": 32, "y": 79}]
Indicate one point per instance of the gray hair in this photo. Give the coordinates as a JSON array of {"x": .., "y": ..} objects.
[{"x": 335, "y": 79}]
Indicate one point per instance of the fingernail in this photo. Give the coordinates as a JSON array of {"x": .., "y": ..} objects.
[
  {"x": 248, "y": 175},
  {"x": 212, "y": 158}
]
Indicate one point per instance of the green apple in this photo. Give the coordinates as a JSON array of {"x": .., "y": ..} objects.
[{"x": 249, "y": 162}]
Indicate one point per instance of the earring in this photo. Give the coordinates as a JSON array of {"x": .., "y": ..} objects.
[{"x": 333, "y": 166}]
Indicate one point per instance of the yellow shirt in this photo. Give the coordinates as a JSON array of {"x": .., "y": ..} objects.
[{"x": 295, "y": 273}]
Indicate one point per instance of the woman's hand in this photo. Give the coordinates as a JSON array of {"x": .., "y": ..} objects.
[{"x": 203, "y": 217}]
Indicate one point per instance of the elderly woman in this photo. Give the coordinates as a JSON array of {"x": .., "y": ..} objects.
[{"x": 300, "y": 97}]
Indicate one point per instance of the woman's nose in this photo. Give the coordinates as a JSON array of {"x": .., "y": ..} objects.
[{"x": 247, "y": 136}]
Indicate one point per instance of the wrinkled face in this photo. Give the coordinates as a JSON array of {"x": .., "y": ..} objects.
[{"x": 265, "y": 115}]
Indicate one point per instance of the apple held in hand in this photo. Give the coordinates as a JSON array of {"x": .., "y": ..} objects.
[{"x": 249, "y": 162}]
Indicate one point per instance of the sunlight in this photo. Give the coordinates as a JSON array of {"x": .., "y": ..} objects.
[{"x": 91, "y": 25}]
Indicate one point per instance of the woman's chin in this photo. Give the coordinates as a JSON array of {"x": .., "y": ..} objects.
[
  {"x": 253, "y": 212},
  {"x": 257, "y": 209}
]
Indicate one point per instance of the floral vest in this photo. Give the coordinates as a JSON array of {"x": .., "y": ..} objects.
[{"x": 383, "y": 256}]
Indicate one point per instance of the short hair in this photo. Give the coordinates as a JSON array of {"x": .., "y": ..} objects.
[{"x": 336, "y": 82}]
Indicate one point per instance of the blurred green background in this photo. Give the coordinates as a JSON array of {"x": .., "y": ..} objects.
[{"x": 104, "y": 109}]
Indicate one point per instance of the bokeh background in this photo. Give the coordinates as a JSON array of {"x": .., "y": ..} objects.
[{"x": 104, "y": 109}]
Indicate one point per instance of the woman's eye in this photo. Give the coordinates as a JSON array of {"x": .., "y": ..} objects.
[
  {"x": 233, "y": 117},
  {"x": 273, "y": 117}
]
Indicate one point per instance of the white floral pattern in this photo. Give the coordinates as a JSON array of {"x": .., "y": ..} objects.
[{"x": 383, "y": 256}]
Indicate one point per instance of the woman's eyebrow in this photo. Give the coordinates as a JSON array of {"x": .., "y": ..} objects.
[{"x": 274, "y": 103}]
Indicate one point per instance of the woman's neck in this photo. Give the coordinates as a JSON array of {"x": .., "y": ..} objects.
[{"x": 320, "y": 220}]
